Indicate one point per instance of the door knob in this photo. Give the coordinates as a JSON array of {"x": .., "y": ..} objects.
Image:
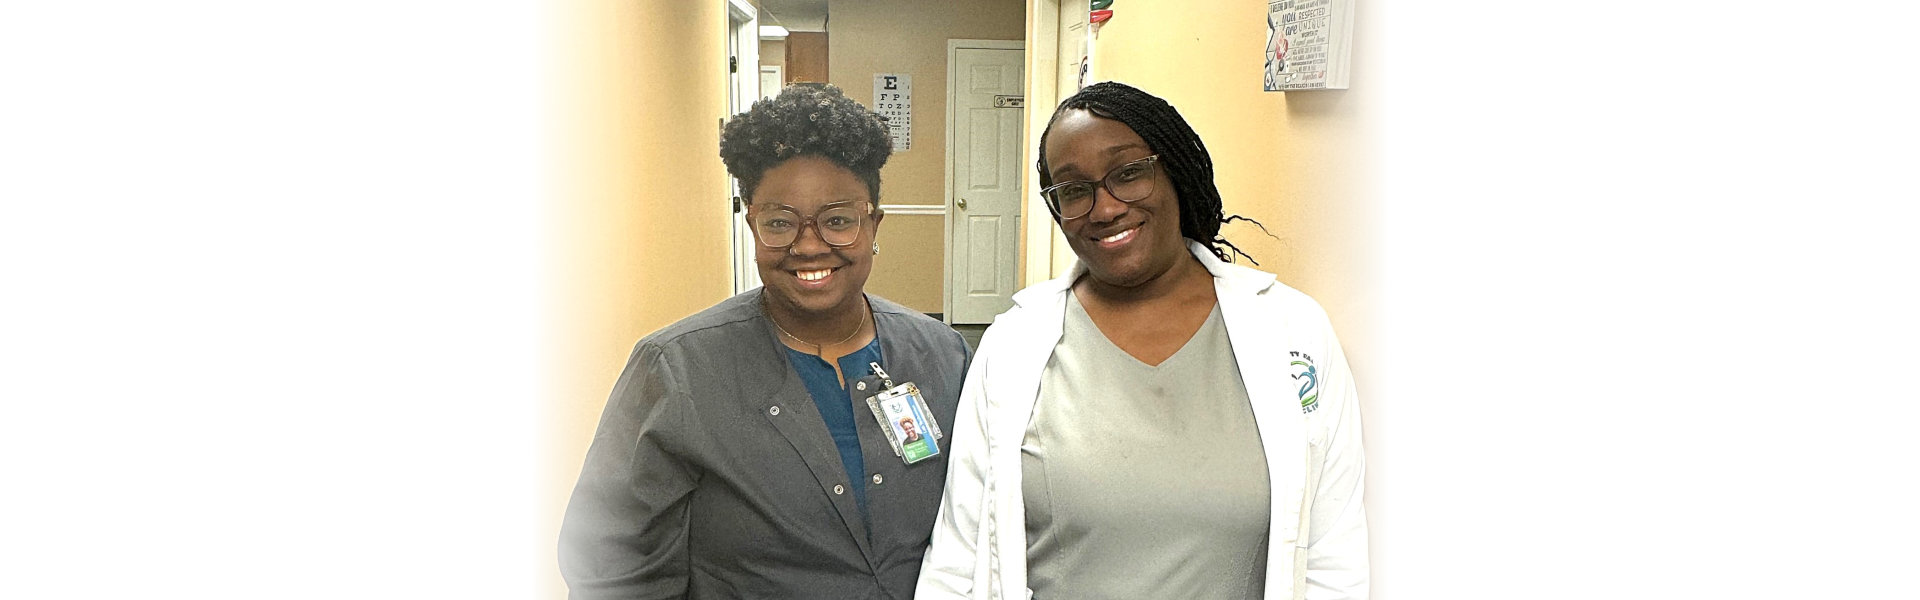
[{"x": 963, "y": 204}]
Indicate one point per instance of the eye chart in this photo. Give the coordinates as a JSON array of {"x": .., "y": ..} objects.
[{"x": 893, "y": 99}]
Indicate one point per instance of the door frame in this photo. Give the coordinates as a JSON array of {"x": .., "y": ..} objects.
[
  {"x": 1040, "y": 243},
  {"x": 953, "y": 49},
  {"x": 743, "y": 88}
]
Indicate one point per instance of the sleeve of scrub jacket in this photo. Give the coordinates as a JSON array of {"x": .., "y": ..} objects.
[
  {"x": 625, "y": 531},
  {"x": 1337, "y": 544},
  {"x": 957, "y": 562}
]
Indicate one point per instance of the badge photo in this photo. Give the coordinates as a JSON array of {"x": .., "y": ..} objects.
[{"x": 909, "y": 427}]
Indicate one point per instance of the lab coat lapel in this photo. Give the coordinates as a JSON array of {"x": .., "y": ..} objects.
[
  {"x": 1263, "y": 361},
  {"x": 1263, "y": 368},
  {"x": 1038, "y": 333},
  {"x": 1016, "y": 388}
]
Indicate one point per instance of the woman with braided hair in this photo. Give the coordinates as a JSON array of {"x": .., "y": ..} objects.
[
  {"x": 739, "y": 456},
  {"x": 1158, "y": 423}
]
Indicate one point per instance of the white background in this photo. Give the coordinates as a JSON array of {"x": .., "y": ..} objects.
[
  {"x": 1648, "y": 277},
  {"x": 269, "y": 299}
]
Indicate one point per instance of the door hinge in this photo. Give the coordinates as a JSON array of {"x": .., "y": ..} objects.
[{"x": 733, "y": 64}]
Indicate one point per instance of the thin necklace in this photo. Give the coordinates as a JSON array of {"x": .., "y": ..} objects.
[{"x": 817, "y": 349}]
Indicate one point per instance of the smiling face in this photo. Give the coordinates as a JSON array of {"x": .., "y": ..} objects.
[
  {"x": 811, "y": 278},
  {"x": 1122, "y": 244}
]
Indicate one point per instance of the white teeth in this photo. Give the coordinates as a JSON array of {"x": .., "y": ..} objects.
[
  {"x": 1116, "y": 237},
  {"x": 813, "y": 275}
]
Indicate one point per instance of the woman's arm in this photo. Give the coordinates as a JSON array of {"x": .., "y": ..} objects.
[
  {"x": 1337, "y": 542},
  {"x": 625, "y": 530},
  {"x": 956, "y": 564}
]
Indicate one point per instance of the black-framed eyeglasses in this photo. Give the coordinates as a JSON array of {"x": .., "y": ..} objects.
[
  {"x": 838, "y": 224},
  {"x": 1127, "y": 183}
]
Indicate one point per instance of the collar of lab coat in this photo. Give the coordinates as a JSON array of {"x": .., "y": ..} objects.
[{"x": 1230, "y": 277}]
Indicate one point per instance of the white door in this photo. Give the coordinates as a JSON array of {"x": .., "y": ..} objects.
[
  {"x": 985, "y": 119},
  {"x": 770, "y": 78},
  {"x": 743, "y": 87}
]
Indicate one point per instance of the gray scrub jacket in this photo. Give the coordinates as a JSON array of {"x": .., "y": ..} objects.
[{"x": 713, "y": 475}]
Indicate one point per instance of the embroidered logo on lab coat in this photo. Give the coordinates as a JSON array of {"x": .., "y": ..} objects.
[{"x": 1309, "y": 380}]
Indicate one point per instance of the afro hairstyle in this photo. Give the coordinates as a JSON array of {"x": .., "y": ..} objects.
[{"x": 806, "y": 120}]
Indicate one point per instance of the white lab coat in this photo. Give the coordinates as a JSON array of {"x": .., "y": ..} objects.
[{"x": 1317, "y": 540}]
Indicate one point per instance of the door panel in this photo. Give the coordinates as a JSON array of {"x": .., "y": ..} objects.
[{"x": 986, "y": 182}]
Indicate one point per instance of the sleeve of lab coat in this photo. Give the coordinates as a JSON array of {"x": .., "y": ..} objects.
[
  {"x": 1337, "y": 544},
  {"x": 958, "y": 562},
  {"x": 625, "y": 530}
]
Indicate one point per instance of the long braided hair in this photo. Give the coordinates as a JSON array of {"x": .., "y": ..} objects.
[{"x": 1181, "y": 152}]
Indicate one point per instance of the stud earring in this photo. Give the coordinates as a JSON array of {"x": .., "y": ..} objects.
[{"x": 876, "y": 247}]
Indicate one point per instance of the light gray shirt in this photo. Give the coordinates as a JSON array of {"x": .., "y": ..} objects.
[{"x": 1144, "y": 481}]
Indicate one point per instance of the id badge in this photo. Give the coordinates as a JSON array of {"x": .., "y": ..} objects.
[{"x": 902, "y": 413}]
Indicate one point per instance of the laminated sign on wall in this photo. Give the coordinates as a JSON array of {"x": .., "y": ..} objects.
[
  {"x": 893, "y": 99},
  {"x": 1309, "y": 44}
]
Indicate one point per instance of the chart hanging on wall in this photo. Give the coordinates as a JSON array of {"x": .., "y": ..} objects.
[
  {"x": 1309, "y": 44},
  {"x": 893, "y": 99}
]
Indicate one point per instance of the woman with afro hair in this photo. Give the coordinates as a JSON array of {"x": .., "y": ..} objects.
[
  {"x": 739, "y": 456},
  {"x": 1158, "y": 423}
]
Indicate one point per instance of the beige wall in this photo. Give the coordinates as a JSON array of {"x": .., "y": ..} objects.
[
  {"x": 1294, "y": 161},
  {"x": 880, "y": 36},
  {"x": 638, "y": 236},
  {"x": 773, "y": 52}
]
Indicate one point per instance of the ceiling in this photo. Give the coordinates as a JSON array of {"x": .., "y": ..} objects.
[{"x": 795, "y": 15}]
